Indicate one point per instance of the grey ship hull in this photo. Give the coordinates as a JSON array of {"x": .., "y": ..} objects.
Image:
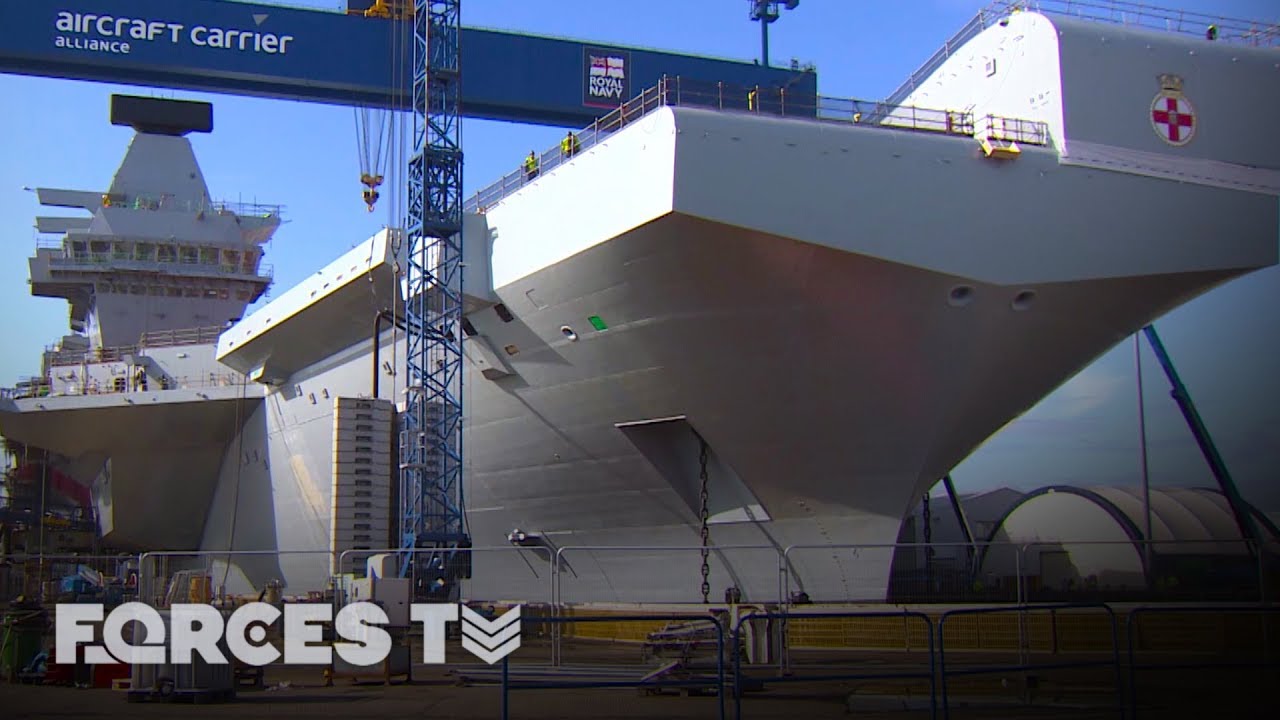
[{"x": 821, "y": 354}]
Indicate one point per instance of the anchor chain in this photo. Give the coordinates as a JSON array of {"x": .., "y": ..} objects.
[
  {"x": 927, "y": 517},
  {"x": 705, "y": 514}
]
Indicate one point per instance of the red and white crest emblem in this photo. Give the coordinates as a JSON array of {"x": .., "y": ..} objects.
[{"x": 1172, "y": 115}]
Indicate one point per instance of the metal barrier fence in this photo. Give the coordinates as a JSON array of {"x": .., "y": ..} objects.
[
  {"x": 527, "y": 590},
  {"x": 799, "y": 575},
  {"x": 41, "y": 578},
  {"x": 788, "y": 617},
  {"x": 1201, "y": 647},
  {"x": 728, "y": 567},
  {"x": 207, "y": 575},
  {"x": 1023, "y": 664},
  {"x": 645, "y": 682},
  {"x": 1078, "y": 641},
  {"x": 900, "y": 573}
]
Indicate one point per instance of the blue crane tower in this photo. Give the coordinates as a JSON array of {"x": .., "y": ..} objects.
[{"x": 431, "y": 430}]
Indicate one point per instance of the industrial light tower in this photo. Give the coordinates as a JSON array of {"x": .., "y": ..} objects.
[
  {"x": 431, "y": 499},
  {"x": 765, "y": 12}
]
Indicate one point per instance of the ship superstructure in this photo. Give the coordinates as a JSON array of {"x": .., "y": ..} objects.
[
  {"x": 152, "y": 276},
  {"x": 156, "y": 253},
  {"x": 808, "y": 356}
]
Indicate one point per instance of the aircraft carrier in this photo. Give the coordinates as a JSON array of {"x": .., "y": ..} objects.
[{"x": 810, "y": 356}]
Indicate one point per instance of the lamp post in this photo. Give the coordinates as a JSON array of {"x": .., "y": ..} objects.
[{"x": 765, "y": 12}]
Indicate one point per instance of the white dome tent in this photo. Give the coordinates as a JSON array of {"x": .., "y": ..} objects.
[{"x": 1080, "y": 540}]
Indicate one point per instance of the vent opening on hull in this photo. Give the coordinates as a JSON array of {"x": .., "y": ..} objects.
[
  {"x": 1023, "y": 300},
  {"x": 960, "y": 296},
  {"x": 672, "y": 447}
]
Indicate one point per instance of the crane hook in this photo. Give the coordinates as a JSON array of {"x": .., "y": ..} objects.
[{"x": 370, "y": 193}]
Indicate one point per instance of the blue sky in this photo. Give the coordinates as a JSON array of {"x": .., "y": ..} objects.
[{"x": 55, "y": 133}]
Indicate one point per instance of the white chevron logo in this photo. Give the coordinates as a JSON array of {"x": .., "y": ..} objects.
[{"x": 490, "y": 640}]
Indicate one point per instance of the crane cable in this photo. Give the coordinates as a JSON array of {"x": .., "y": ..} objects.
[{"x": 372, "y": 147}]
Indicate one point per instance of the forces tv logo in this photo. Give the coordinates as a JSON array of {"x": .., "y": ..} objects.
[{"x": 606, "y": 77}]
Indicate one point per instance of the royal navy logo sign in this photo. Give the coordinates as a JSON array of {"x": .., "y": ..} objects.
[
  {"x": 1172, "y": 115},
  {"x": 606, "y": 80}
]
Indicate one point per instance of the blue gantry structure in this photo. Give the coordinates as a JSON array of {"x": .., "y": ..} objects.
[
  {"x": 384, "y": 54},
  {"x": 336, "y": 57}
]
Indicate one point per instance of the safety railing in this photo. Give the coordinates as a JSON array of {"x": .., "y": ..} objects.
[
  {"x": 1096, "y": 659},
  {"x": 977, "y": 24},
  {"x": 28, "y": 388},
  {"x": 121, "y": 385},
  {"x": 1076, "y": 643},
  {"x": 218, "y": 576},
  {"x": 1142, "y": 15},
  {"x": 168, "y": 202},
  {"x": 1115, "y": 12},
  {"x": 1201, "y": 639},
  {"x": 188, "y": 336},
  {"x": 57, "y": 577},
  {"x": 353, "y": 562},
  {"x": 586, "y": 138},
  {"x": 1136, "y": 571},
  {"x": 177, "y": 266},
  {"x": 721, "y": 96},
  {"x": 716, "y": 682},
  {"x": 571, "y": 586},
  {"x": 830, "y": 673},
  {"x": 800, "y": 577},
  {"x": 114, "y": 353},
  {"x": 1010, "y": 129},
  {"x": 902, "y": 572},
  {"x": 151, "y": 339}
]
